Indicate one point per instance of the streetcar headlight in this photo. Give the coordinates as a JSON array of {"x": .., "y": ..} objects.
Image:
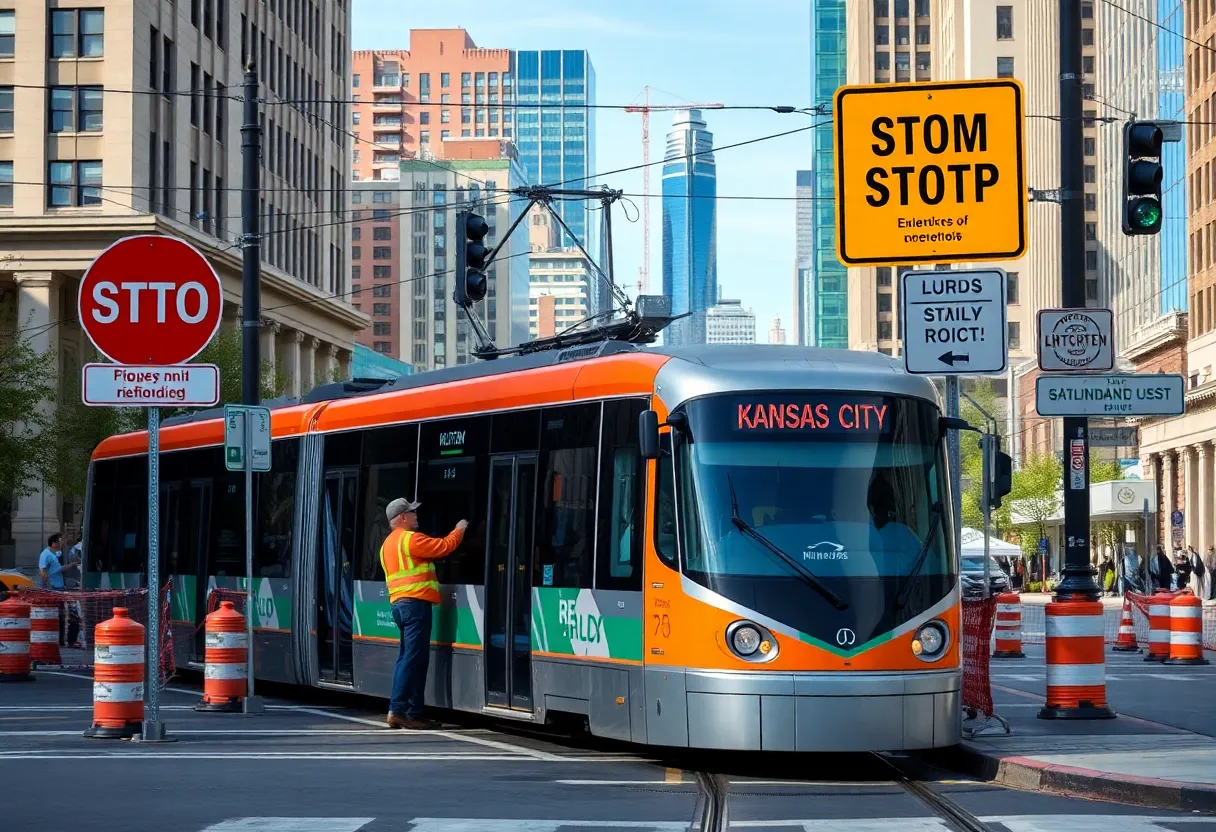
[
  {"x": 746, "y": 640},
  {"x": 930, "y": 641}
]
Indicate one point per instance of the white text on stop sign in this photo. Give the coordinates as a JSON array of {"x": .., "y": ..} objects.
[{"x": 104, "y": 294}]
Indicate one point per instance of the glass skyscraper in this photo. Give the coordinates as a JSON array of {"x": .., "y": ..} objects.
[
  {"x": 690, "y": 232},
  {"x": 555, "y": 128},
  {"x": 1171, "y": 104},
  {"x": 824, "y": 286}
]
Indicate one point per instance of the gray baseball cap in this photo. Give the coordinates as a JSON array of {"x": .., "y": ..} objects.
[{"x": 400, "y": 506}]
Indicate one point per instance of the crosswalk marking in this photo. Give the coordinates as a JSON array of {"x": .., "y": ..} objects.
[{"x": 290, "y": 825}]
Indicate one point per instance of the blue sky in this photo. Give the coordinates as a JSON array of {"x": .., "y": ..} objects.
[{"x": 710, "y": 50}]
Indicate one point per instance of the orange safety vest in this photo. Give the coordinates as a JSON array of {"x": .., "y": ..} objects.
[{"x": 404, "y": 577}]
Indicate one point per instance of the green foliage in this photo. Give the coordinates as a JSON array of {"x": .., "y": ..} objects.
[
  {"x": 27, "y": 388},
  {"x": 1104, "y": 470},
  {"x": 973, "y": 461},
  {"x": 1035, "y": 490}
]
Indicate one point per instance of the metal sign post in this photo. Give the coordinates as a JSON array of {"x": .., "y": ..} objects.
[
  {"x": 987, "y": 446},
  {"x": 153, "y": 729},
  {"x": 247, "y": 449}
]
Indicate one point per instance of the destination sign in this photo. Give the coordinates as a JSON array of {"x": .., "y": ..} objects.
[
  {"x": 1128, "y": 437},
  {"x": 1076, "y": 339},
  {"x": 954, "y": 322},
  {"x": 1147, "y": 394},
  {"x": 931, "y": 173}
]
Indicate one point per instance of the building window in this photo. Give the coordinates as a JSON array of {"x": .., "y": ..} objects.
[
  {"x": 883, "y": 275},
  {"x": 382, "y": 233},
  {"x": 382, "y": 309},
  {"x": 63, "y": 110},
  {"x": 382, "y": 196},
  {"x": 356, "y": 252},
  {"x": 424, "y": 137},
  {"x": 1091, "y": 202},
  {"x": 356, "y": 234},
  {"x": 73, "y": 184},
  {"x": 882, "y": 8},
  {"x": 1004, "y": 67},
  {"x": 882, "y": 35},
  {"x": 1087, "y": 37},
  {"x": 884, "y": 301},
  {"x": 382, "y": 272},
  {"x": 884, "y": 330},
  {"x": 445, "y": 80},
  {"x": 6, "y": 109},
  {"x": 77, "y": 33},
  {"x": 1011, "y": 286},
  {"x": 1015, "y": 335},
  {"x": 382, "y": 291},
  {"x": 1087, "y": 64},
  {"x": 882, "y": 61},
  {"x": 6, "y": 184},
  {"x": 356, "y": 273},
  {"x": 8, "y": 33},
  {"x": 354, "y": 81},
  {"x": 1090, "y": 173},
  {"x": 1004, "y": 22},
  {"x": 445, "y": 117},
  {"x": 382, "y": 252},
  {"x": 1090, "y": 149},
  {"x": 1091, "y": 261},
  {"x": 1091, "y": 231}
]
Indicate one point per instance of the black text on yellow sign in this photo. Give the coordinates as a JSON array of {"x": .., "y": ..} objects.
[{"x": 930, "y": 173}]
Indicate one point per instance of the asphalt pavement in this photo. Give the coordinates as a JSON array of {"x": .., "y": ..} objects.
[{"x": 314, "y": 763}]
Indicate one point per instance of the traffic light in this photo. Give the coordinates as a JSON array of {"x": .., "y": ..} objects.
[
  {"x": 1002, "y": 474},
  {"x": 1142, "y": 177},
  {"x": 471, "y": 258}
]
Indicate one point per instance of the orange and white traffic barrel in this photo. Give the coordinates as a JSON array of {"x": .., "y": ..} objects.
[
  {"x": 1186, "y": 630},
  {"x": 1008, "y": 627},
  {"x": 44, "y": 633},
  {"x": 118, "y": 678},
  {"x": 1125, "y": 642},
  {"x": 227, "y": 644},
  {"x": 1158, "y": 627},
  {"x": 1076, "y": 663},
  {"x": 15, "y": 641}
]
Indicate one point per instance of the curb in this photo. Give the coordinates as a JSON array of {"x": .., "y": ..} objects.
[{"x": 1069, "y": 781}]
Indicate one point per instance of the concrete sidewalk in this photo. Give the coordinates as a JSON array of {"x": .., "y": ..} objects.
[{"x": 1160, "y": 751}]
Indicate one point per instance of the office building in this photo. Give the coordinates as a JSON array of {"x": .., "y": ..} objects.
[
  {"x": 408, "y": 101},
  {"x": 555, "y": 130},
  {"x": 84, "y": 163},
  {"x": 403, "y": 274},
  {"x": 776, "y": 335},
  {"x": 561, "y": 284},
  {"x": 690, "y": 234},
  {"x": 727, "y": 322},
  {"x": 888, "y": 41},
  {"x": 1141, "y": 71},
  {"x": 821, "y": 301},
  {"x": 1179, "y": 453},
  {"x": 804, "y": 252}
]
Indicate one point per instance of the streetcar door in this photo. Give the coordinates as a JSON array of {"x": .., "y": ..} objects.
[
  {"x": 508, "y": 623},
  {"x": 335, "y": 575}
]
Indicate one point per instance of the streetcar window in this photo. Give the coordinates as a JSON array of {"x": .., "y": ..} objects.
[
  {"x": 565, "y": 521},
  {"x": 665, "y": 506},
  {"x": 98, "y": 542},
  {"x": 276, "y": 492},
  {"x": 622, "y": 473},
  {"x": 391, "y": 453},
  {"x": 453, "y": 482},
  {"x": 227, "y": 552},
  {"x": 516, "y": 431}
]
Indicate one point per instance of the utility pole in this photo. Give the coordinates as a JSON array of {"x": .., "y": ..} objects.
[
  {"x": 251, "y": 248},
  {"x": 1078, "y": 583}
]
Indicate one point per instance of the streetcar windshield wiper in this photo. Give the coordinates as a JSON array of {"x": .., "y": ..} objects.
[
  {"x": 935, "y": 521},
  {"x": 802, "y": 572}
]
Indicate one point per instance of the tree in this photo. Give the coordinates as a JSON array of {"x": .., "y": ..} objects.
[
  {"x": 973, "y": 461},
  {"x": 27, "y": 388},
  {"x": 1036, "y": 493},
  {"x": 1108, "y": 537}
]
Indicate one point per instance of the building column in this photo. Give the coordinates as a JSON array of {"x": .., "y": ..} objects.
[
  {"x": 36, "y": 516},
  {"x": 345, "y": 358},
  {"x": 269, "y": 331},
  {"x": 1203, "y": 505},
  {"x": 1168, "y": 492},
  {"x": 1190, "y": 493},
  {"x": 308, "y": 363},
  {"x": 292, "y": 363},
  {"x": 331, "y": 363}
]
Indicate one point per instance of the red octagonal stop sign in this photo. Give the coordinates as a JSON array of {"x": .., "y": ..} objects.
[{"x": 150, "y": 300}]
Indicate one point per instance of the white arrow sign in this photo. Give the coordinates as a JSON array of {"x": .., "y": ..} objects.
[{"x": 954, "y": 322}]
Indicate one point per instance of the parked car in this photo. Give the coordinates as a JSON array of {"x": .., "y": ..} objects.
[
  {"x": 972, "y": 577},
  {"x": 12, "y": 580}
]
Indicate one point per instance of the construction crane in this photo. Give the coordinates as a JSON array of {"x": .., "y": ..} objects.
[{"x": 645, "y": 108}]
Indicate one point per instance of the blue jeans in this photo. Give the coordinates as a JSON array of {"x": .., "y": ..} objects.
[{"x": 413, "y": 617}]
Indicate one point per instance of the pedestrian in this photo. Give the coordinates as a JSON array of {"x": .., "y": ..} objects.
[
  {"x": 408, "y": 558},
  {"x": 1209, "y": 568},
  {"x": 1163, "y": 570},
  {"x": 50, "y": 570},
  {"x": 1182, "y": 568},
  {"x": 1199, "y": 575}
]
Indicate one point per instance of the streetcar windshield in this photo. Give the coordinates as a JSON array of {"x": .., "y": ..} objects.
[{"x": 846, "y": 486}]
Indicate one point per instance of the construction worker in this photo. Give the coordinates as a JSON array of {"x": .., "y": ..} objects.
[{"x": 407, "y": 557}]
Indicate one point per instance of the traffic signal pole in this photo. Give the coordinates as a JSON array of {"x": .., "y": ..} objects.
[
  {"x": 1078, "y": 582},
  {"x": 251, "y": 247}
]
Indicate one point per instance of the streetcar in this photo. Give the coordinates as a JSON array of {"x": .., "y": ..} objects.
[{"x": 720, "y": 547}]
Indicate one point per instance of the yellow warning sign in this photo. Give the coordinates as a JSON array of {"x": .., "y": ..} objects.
[{"x": 930, "y": 172}]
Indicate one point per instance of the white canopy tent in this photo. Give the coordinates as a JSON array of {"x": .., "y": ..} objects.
[{"x": 972, "y": 543}]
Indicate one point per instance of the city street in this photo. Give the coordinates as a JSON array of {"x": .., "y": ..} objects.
[{"x": 312, "y": 767}]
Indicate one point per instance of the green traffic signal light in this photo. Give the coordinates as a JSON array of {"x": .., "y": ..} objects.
[{"x": 1145, "y": 213}]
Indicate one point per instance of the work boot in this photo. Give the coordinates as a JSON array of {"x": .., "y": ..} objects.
[
  {"x": 395, "y": 721},
  {"x": 420, "y": 724}
]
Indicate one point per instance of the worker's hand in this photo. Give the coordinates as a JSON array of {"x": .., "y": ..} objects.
[{"x": 462, "y": 525}]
